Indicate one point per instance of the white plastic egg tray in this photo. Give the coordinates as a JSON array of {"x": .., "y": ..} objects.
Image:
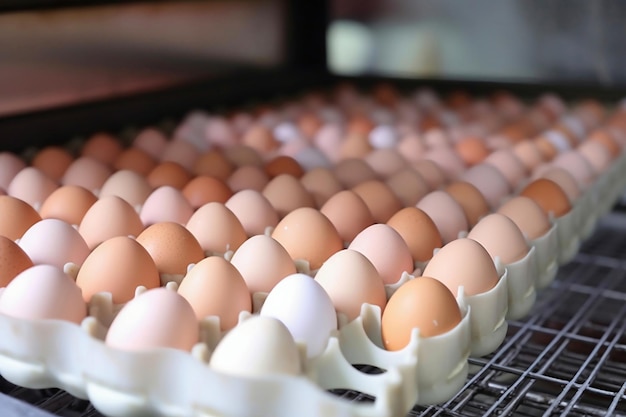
[{"x": 165, "y": 382}]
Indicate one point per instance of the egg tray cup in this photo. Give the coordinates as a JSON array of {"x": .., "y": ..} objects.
[
  {"x": 547, "y": 253},
  {"x": 521, "y": 288}
]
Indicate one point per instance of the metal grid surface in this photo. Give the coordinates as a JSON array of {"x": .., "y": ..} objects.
[{"x": 568, "y": 357}]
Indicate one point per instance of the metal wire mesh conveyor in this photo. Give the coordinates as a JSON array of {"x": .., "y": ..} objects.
[{"x": 568, "y": 357}]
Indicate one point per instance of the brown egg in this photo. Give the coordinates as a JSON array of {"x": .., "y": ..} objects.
[
  {"x": 119, "y": 265},
  {"x": 261, "y": 139},
  {"x": 463, "y": 263},
  {"x": 214, "y": 163},
  {"x": 432, "y": 173},
  {"x": 102, "y": 147},
  {"x": 168, "y": 173},
  {"x": 68, "y": 203},
  {"x": 501, "y": 237},
  {"x": 547, "y": 149},
  {"x": 86, "y": 172},
  {"x": 418, "y": 231},
  {"x": 604, "y": 137},
  {"x": 240, "y": 155},
  {"x": 216, "y": 228},
  {"x": 360, "y": 125},
  {"x": 412, "y": 148},
  {"x": 386, "y": 162},
  {"x": 308, "y": 235},
  {"x": 472, "y": 150},
  {"x": 32, "y": 186},
  {"x": 423, "y": 303},
  {"x": 136, "y": 160},
  {"x": 470, "y": 199},
  {"x": 528, "y": 153},
  {"x": 172, "y": 247},
  {"x": 109, "y": 217},
  {"x": 577, "y": 165},
  {"x": 309, "y": 124},
  {"x": 248, "y": 177},
  {"x": 204, "y": 189},
  {"x": 409, "y": 186},
  {"x": 283, "y": 164},
  {"x": 286, "y": 194},
  {"x": 563, "y": 178},
  {"x": 379, "y": 198},
  {"x": 352, "y": 172},
  {"x": 151, "y": 141},
  {"x": 52, "y": 161},
  {"x": 354, "y": 145},
  {"x": 598, "y": 155},
  {"x": 348, "y": 213},
  {"x": 13, "y": 260},
  {"x": 549, "y": 196},
  {"x": 214, "y": 287},
  {"x": 17, "y": 217},
  {"x": 527, "y": 215},
  {"x": 322, "y": 184}
]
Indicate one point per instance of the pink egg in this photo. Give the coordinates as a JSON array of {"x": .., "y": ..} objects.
[
  {"x": 10, "y": 165},
  {"x": 165, "y": 204},
  {"x": 151, "y": 141},
  {"x": 87, "y": 173},
  {"x": 32, "y": 186}
]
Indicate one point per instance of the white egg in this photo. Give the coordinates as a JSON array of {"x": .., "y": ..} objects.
[{"x": 303, "y": 305}]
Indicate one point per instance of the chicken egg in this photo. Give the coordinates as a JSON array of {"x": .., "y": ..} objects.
[
  {"x": 253, "y": 210},
  {"x": 348, "y": 213},
  {"x": 303, "y": 305},
  {"x": 52, "y": 161},
  {"x": 286, "y": 194},
  {"x": 69, "y": 203},
  {"x": 350, "y": 280},
  {"x": 352, "y": 171},
  {"x": 88, "y": 173},
  {"x": 102, "y": 147},
  {"x": 10, "y": 165},
  {"x": 527, "y": 215},
  {"x": 322, "y": 184},
  {"x": 418, "y": 231},
  {"x": 216, "y": 228},
  {"x": 470, "y": 199},
  {"x": 168, "y": 173},
  {"x": 446, "y": 213},
  {"x": 135, "y": 160},
  {"x": 165, "y": 204},
  {"x": 118, "y": 266},
  {"x": 432, "y": 173},
  {"x": 257, "y": 347},
  {"x": 108, "y": 217},
  {"x": 214, "y": 287},
  {"x": 263, "y": 263},
  {"x": 501, "y": 237},
  {"x": 549, "y": 196},
  {"x": 203, "y": 189},
  {"x": 424, "y": 303},
  {"x": 13, "y": 260},
  {"x": 379, "y": 198},
  {"x": 248, "y": 177},
  {"x": 156, "y": 318},
  {"x": 213, "y": 163},
  {"x": 32, "y": 186},
  {"x": 308, "y": 235},
  {"x": 43, "y": 292},
  {"x": 17, "y": 217},
  {"x": 128, "y": 185}
]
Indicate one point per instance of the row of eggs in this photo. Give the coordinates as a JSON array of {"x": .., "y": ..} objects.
[{"x": 381, "y": 258}]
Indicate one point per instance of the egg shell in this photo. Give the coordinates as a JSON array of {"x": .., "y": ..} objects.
[
  {"x": 135, "y": 160},
  {"x": 165, "y": 204},
  {"x": 322, "y": 184},
  {"x": 350, "y": 280},
  {"x": 470, "y": 199},
  {"x": 54, "y": 242},
  {"x": 253, "y": 210},
  {"x": 109, "y": 217},
  {"x": 52, "y": 161},
  {"x": 423, "y": 303},
  {"x": 260, "y": 138},
  {"x": 214, "y": 287},
  {"x": 216, "y": 228},
  {"x": 248, "y": 177},
  {"x": 88, "y": 173},
  {"x": 489, "y": 181},
  {"x": 527, "y": 215},
  {"x": 17, "y": 217},
  {"x": 549, "y": 196},
  {"x": 328, "y": 140},
  {"x": 172, "y": 247},
  {"x": 347, "y": 211},
  {"x": 242, "y": 155},
  {"x": 128, "y": 185},
  {"x": 283, "y": 164},
  {"x": 156, "y": 318},
  {"x": 13, "y": 260},
  {"x": 563, "y": 178},
  {"x": 448, "y": 159},
  {"x": 303, "y": 305},
  {"x": 102, "y": 147},
  {"x": 308, "y": 235},
  {"x": 32, "y": 186},
  {"x": 263, "y": 263},
  {"x": 118, "y": 265},
  {"x": 352, "y": 171},
  {"x": 409, "y": 186},
  {"x": 355, "y": 145},
  {"x": 527, "y": 152},
  {"x": 418, "y": 231},
  {"x": 182, "y": 152},
  {"x": 509, "y": 166},
  {"x": 607, "y": 139},
  {"x": 386, "y": 162},
  {"x": 43, "y": 292},
  {"x": 446, "y": 213},
  {"x": 285, "y": 193},
  {"x": 501, "y": 237},
  {"x": 203, "y": 189},
  {"x": 576, "y": 164},
  {"x": 379, "y": 198},
  {"x": 168, "y": 173},
  {"x": 10, "y": 165},
  {"x": 463, "y": 263},
  {"x": 151, "y": 141},
  {"x": 472, "y": 150},
  {"x": 411, "y": 148},
  {"x": 275, "y": 351},
  {"x": 69, "y": 203},
  {"x": 219, "y": 131},
  {"x": 432, "y": 173},
  {"x": 213, "y": 163},
  {"x": 597, "y": 154}
]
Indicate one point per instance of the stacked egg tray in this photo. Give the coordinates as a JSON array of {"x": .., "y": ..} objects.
[{"x": 256, "y": 366}]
